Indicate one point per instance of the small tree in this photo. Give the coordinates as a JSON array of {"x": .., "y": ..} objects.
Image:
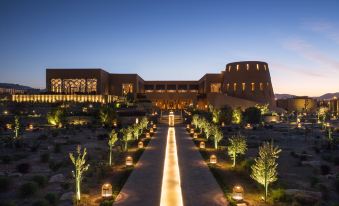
[
  {"x": 80, "y": 166},
  {"x": 195, "y": 120},
  {"x": 236, "y": 116},
  {"x": 126, "y": 136},
  {"x": 113, "y": 138},
  {"x": 107, "y": 115},
  {"x": 215, "y": 114},
  {"x": 264, "y": 170},
  {"x": 16, "y": 127},
  {"x": 136, "y": 131},
  {"x": 207, "y": 129},
  {"x": 217, "y": 135},
  {"x": 237, "y": 145},
  {"x": 56, "y": 117},
  {"x": 263, "y": 108}
]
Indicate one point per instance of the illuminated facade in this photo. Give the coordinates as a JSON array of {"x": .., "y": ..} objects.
[{"x": 240, "y": 84}]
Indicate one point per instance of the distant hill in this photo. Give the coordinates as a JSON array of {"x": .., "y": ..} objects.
[
  {"x": 284, "y": 96},
  {"x": 322, "y": 97},
  {"x": 328, "y": 96},
  {"x": 17, "y": 86}
]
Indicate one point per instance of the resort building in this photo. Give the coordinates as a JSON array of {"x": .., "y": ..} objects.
[
  {"x": 298, "y": 104},
  {"x": 241, "y": 84}
]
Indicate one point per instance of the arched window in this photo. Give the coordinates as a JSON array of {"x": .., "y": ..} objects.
[
  {"x": 258, "y": 67},
  {"x": 235, "y": 87},
  {"x": 252, "y": 86},
  {"x": 243, "y": 86},
  {"x": 237, "y": 67},
  {"x": 261, "y": 85},
  {"x": 247, "y": 67}
]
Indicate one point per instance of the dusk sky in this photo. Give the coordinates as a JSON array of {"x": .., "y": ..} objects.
[{"x": 173, "y": 40}]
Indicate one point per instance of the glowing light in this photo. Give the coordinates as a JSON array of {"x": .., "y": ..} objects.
[
  {"x": 154, "y": 126},
  {"x": 192, "y": 131},
  {"x": 202, "y": 145},
  {"x": 151, "y": 130},
  {"x": 140, "y": 145},
  {"x": 187, "y": 126},
  {"x": 129, "y": 161},
  {"x": 195, "y": 136},
  {"x": 148, "y": 135},
  {"x": 171, "y": 194},
  {"x": 238, "y": 193},
  {"x": 171, "y": 119},
  {"x": 106, "y": 190},
  {"x": 213, "y": 159}
]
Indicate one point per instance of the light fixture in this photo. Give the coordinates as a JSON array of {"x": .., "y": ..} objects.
[
  {"x": 140, "y": 145},
  {"x": 129, "y": 161},
  {"x": 238, "y": 193},
  {"x": 106, "y": 190},
  {"x": 202, "y": 145},
  {"x": 213, "y": 159}
]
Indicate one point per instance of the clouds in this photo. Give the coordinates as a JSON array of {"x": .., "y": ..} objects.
[{"x": 328, "y": 29}]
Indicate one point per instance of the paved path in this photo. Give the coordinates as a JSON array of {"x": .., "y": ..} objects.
[
  {"x": 143, "y": 187},
  {"x": 198, "y": 185}
]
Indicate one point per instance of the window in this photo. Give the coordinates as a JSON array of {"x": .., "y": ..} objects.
[
  {"x": 229, "y": 68},
  {"x": 243, "y": 86},
  {"x": 216, "y": 87},
  {"x": 91, "y": 85},
  {"x": 235, "y": 87},
  {"x": 258, "y": 67},
  {"x": 56, "y": 85},
  {"x": 72, "y": 86},
  {"x": 265, "y": 67},
  {"x": 227, "y": 87},
  {"x": 252, "y": 87},
  {"x": 171, "y": 88},
  {"x": 261, "y": 85},
  {"x": 247, "y": 67},
  {"x": 237, "y": 67},
  {"x": 127, "y": 88}
]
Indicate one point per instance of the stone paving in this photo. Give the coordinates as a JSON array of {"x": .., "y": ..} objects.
[{"x": 143, "y": 187}]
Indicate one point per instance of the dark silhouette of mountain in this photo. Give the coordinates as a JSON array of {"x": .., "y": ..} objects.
[
  {"x": 17, "y": 86},
  {"x": 284, "y": 96},
  {"x": 328, "y": 96}
]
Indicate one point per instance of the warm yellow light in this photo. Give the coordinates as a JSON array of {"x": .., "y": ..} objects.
[
  {"x": 238, "y": 193},
  {"x": 192, "y": 131},
  {"x": 148, "y": 135},
  {"x": 154, "y": 126},
  {"x": 202, "y": 145},
  {"x": 129, "y": 161},
  {"x": 195, "y": 135},
  {"x": 140, "y": 145},
  {"x": 151, "y": 130},
  {"x": 187, "y": 126},
  {"x": 171, "y": 194},
  {"x": 213, "y": 159},
  {"x": 106, "y": 190}
]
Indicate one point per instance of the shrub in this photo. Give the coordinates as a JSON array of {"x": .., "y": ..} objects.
[
  {"x": 28, "y": 189},
  {"x": 6, "y": 159},
  {"x": 40, "y": 180},
  {"x": 57, "y": 148},
  {"x": 51, "y": 198},
  {"x": 23, "y": 168},
  {"x": 40, "y": 203},
  {"x": 325, "y": 169},
  {"x": 44, "y": 157},
  {"x": 5, "y": 183}
]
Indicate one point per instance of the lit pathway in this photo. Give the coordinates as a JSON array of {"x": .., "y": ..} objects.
[
  {"x": 199, "y": 187},
  {"x": 144, "y": 186}
]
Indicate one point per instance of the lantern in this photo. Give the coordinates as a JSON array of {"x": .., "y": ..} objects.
[
  {"x": 299, "y": 125},
  {"x": 192, "y": 131},
  {"x": 151, "y": 122},
  {"x": 151, "y": 130},
  {"x": 195, "y": 136},
  {"x": 129, "y": 161},
  {"x": 154, "y": 126},
  {"x": 213, "y": 159},
  {"x": 202, "y": 145},
  {"x": 30, "y": 127},
  {"x": 223, "y": 124},
  {"x": 148, "y": 135},
  {"x": 238, "y": 193},
  {"x": 106, "y": 190},
  {"x": 115, "y": 124},
  {"x": 140, "y": 145},
  {"x": 187, "y": 126}
]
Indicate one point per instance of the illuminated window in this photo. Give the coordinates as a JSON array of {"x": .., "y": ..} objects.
[
  {"x": 235, "y": 87},
  {"x": 127, "y": 88},
  {"x": 227, "y": 87},
  {"x": 268, "y": 84},
  {"x": 72, "y": 86},
  {"x": 237, "y": 67},
  {"x": 243, "y": 86},
  {"x": 265, "y": 67},
  {"x": 216, "y": 87},
  {"x": 229, "y": 68},
  {"x": 92, "y": 85},
  {"x": 261, "y": 85},
  {"x": 56, "y": 85},
  {"x": 258, "y": 67},
  {"x": 252, "y": 86},
  {"x": 247, "y": 67}
]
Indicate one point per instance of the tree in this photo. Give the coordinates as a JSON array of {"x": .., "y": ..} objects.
[
  {"x": 136, "y": 131},
  {"x": 16, "y": 127},
  {"x": 113, "y": 137},
  {"x": 226, "y": 114},
  {"x": 323, "y": 115},
  {"x": 263, "y": 108},
  {"x": 126, "y": 136},
  {"x": 237, "y": 145},
  {"x": 264, "y": 170},
  {"x": 107, "y": 116},
  {"x": 56, "y": 117},
  {"x": 195, "y": 120},
  {"x": 236, "y": 116},
  {"x": 217, "y": 135},
  {"x": 252, "y": 115},
  {"x": 207, "y": 129},
  {"x": 215, "y": 114},
  {"x": 80, "y": 166}
]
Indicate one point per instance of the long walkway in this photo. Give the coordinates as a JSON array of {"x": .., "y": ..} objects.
[{"x": 198, "y": 186}]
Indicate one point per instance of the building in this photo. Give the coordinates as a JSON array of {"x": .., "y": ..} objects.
[
  {"x": 298, "y": 104},
  {"x": 241, "y": 84},
  {"x": 334, "y": 106}
]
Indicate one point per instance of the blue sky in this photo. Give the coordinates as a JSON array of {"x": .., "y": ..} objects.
[{"x": 170, "y": 40}]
